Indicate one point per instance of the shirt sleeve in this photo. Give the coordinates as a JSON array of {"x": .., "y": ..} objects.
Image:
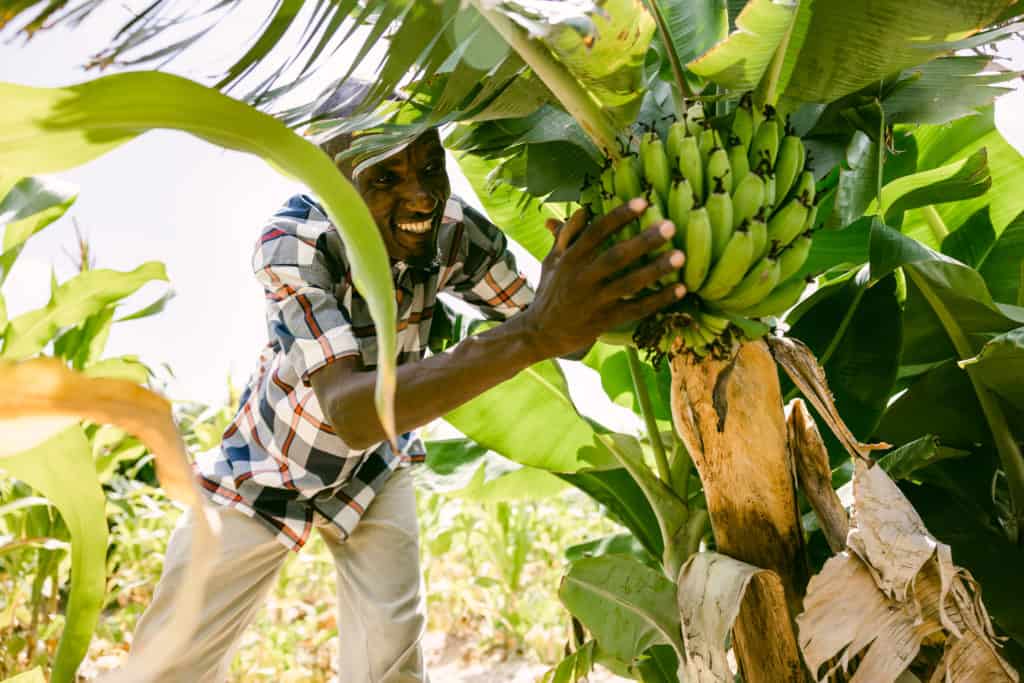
[
  {"x": 486, "y": 275},
  {"x": 304, "y": 314}
]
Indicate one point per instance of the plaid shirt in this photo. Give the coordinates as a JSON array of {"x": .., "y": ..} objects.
[{"x": 279, "y": 460}]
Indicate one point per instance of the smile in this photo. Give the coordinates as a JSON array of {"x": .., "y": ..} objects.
[{"x": 417, "y": 227}]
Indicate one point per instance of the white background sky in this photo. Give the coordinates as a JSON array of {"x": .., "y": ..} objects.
[{"x": 170, "y": 197}]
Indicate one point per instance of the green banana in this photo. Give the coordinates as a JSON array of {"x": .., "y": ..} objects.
[
  {"x": 680, "y": 201},
  {"x": 714, "y": 323},
  {"x": 652, "y": 214},
  {"x": 608, "y": 182},
  {"x": 590, "y": 197},
  {"x": 794, "y": 256},
  {"x": 785, "y": 225},
  {"x": 707, "y": 142},
  {"x": 781, "y": 299},
  {"x": 812, "y": 218},
  {"x": 627, "y": 178},
  {"x": 805, "y": 188},
  {"x": 789, "y": 164},
  {"x": 719, "y": 207},
  {"x": 730, "y": 268},
  {"x": 747, "y": 199},
  {"x": 695, "y": 119},
  {"x": 691, "y": 167},
  {"x": 718, "y": 169},
  {"x": 676, "y": 133},
  {"x": 706, "y": 336},
  {"x": 738, "y": 162},
  {"x": 693, "y": 341},
  {"x": 655, "y": 163},
  {"x": 769, "y": 191},
  {"x": 759, "y": 231},
  {"x": 743, "y": 121},
  {"x": 765, "y": 146},
  {"x": 754, "y": 287},
  {"x": 698, "y": 249}
]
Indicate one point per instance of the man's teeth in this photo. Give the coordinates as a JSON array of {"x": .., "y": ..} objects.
[{"x": 421, "y": 226}]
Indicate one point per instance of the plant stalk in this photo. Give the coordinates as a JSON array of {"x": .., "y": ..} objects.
[
  {"x": 682, "y": 87},
  {"x": 572, "y": 95},
  {"x": 1009, "y": 452},
  {"x": 935, "y": 222},
  {"x": 653, "y": 433}
]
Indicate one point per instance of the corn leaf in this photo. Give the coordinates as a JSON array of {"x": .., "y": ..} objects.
[
  {"x": 73, "y": 302},
  {"x": 32, "y": 676},
  {"x": 740, "y": 61},
  {"x": 52, "y": 129},
  {"x": 890, "y": 35},
  {"x": 62, "y": 470},
  {"x": 42, "y": 396},
  {"x": 29, "y": 206}
]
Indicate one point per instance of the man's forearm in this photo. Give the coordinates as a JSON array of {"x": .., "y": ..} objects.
[{"x": 429, "y": 388}]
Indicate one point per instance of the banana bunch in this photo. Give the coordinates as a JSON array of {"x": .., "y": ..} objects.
[{"x": 743, "y": 202}]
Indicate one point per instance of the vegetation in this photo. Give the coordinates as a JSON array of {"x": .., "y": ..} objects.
[{"x": 910, "y": 342}]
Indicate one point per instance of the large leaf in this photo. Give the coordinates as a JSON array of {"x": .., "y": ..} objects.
[
  {"x": 860, "y": 184},
  {"x": 689, "y": 28},
  {"x": 53, "y": 129},
  {"x": 905, "y": 461},
  {"x": 62, "y": 469},
  {"x": 28, "y": 207},
  {"x": 625, "y": 544},
  {"x": 1000, "y": 366},
  {"x": 972, "y": 241},
  {"x": 73, "y": 302},
  {"x": 626, "y": 606},
  {"x": 519, "y": 215},
  {"x": 856, "y": 334},
  {"x": 739, "y": 62},
  {"x": 1003, "y": 266},
  {"x": 610, "y": 63},
  {"x": 623, "y": 501},
  {"x": 612, "y": 364},
  {"x": 941, "y": 145},
  {"x": 843, "y": 47},
  {"x": 960, "y": 180},
  {"x": 463, "y": 468},
  {"x": 529, "y": 419}
]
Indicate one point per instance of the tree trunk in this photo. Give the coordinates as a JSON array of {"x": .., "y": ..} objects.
[{"x": 730, "y": 416}]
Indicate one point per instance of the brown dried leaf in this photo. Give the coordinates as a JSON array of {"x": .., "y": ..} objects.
[
  {"x": 895, "y": 588},
  {"x": 41, "y": 396},
  {"x": 711, "y": 590},
  {"x": 807, "y": 374}
]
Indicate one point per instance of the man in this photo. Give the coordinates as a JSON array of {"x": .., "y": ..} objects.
[{"x": 306, "y": 448}]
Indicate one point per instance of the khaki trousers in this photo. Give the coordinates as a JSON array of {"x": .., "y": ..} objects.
[{"x": 381, "y": 607}]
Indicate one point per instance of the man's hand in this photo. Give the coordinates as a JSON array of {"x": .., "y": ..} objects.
[{"x": 582, "y": 289}]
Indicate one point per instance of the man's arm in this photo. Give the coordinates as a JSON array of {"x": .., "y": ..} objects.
[{"x": 580, "y": 296}]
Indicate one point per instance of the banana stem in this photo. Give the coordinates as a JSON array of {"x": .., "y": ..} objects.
[
  {"x": 573, "y": 96},
  {"x": 935, "y": 222},
  {"x": 682, "y": 87},
  {"x": 653, "y": 433},
  {"x": 1009, "y": 451}
]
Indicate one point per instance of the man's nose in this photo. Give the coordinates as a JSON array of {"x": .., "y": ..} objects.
[{"x": 417, "y": 199}]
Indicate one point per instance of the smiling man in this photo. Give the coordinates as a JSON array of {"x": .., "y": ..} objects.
[{"x": 306, "y": 449}]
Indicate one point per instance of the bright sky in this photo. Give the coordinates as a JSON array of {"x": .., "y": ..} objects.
[{"x": 170, "y": 197}]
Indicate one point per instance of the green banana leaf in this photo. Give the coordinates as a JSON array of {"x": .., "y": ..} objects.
[
  {"x": 53, "y": 129},
  {"x": 942, "y": 145},
  {"x": 74, "y": 301},
  {"x": 905, "y": 461},
  {"x": 609, "y": 64},
  {"x": 1000, "y": 365},
  {"x": 519, "y": 215},
  {"x": 26, "y": 208},
  {"x": 971, "y": 242},
  {"x": 62, "y": 469},
  {"x": 823, "y": 62},
  {"x": 626, "y": 606},
  {"x": 465, "y": 469},
  {"x": 964, "y": 179},
  {"x": 1003, "y": 264}
]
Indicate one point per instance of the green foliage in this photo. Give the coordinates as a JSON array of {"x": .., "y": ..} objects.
[{"x": 53, "y": 129}]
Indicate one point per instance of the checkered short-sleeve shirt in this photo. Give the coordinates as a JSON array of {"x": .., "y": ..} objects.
[{"x": 279, "y": 460}]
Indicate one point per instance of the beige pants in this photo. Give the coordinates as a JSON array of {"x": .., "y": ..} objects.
[{"x": 381, "y": 609}]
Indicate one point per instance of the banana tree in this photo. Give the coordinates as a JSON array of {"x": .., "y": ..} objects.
[{"x": 550, "y": 94}]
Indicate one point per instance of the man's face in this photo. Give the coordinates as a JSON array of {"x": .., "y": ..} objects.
[{"x": 406, "y": 194}]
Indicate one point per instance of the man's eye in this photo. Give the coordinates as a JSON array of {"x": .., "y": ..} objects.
[
  {"x": 386, "y": 178},
  {"x": 434, "y": 167}
]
